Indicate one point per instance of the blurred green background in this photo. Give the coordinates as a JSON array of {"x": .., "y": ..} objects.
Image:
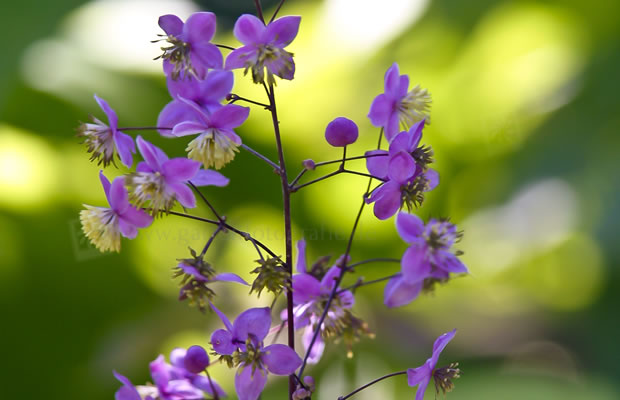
[{"x": 525, "y": 127}]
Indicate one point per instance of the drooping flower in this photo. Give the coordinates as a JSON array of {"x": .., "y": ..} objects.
[
  {"x": 207, "y": 94},
  {"x": 428, "y": 260},
  {"x": 104, "y": 141},
  {"x": 217, "y": 142},
  {"x": 190, "y": 52},
  {"x": 162, "y": 181},
  {"x": 241, "y": 343},
  {"x": 405, "y": 167},
  {"x": 421, "y": 376},
  {"x": 398, "y": 105},
  {"x": 311, "y": 290},
  {"x": 264, "y": 47},
  {"x": 341, "y": 132},
  {"x": 104, "y": 226}
]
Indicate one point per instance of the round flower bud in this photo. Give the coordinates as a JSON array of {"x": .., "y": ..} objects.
[
  {"x": 196, "y": 359},
  {"x": 341, "y": 132},
  {"x": 309, "y": 382},
  {"x": 309, "y": 164}
]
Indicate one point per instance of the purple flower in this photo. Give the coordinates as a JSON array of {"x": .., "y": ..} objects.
[
  {"x": 421, "y": 376},
  {"x": 309, "y": 297},
  {"x": 428, "y": 259},
  {"x": 397, "y": 105},
  {"x": 190, "y": 52},
  {"x": 217, "y": 142},
  {"x": 404, "y": 167},
  {"x": 106, "y": 140},
  {"x": 163, "y": 181},
  {"x": 104, "y": 226},
  {"x": 207, "y": 94},
  {"x": 341, "y": 132},
  {"x": 264, "y": 47},
  {"x": 243, "y": 340}
]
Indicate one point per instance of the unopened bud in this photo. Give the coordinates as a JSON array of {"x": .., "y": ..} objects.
[{"x": 309, "y": 164}]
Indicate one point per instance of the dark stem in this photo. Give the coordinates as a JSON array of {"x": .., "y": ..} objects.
[
  {"x": 322, "y": 163},
  {"x": 234, "y": 98},
  {"x": 202, "y": 196},
  {"x": 215, "y": 395},
  {"x": 366, "y": 283},
  {"x": 340, "y": 171},
  {"x": 350, "y": 267},
  {"x": 259, "y": 11},
  {"x": 144, "y": 128},
  {"x": 223, "y": 46},
  {"x": 208, "y": 244},
  {"x": 286, "y": 200},
  {"x": 262, "y": 157},
  {"x": 359, "y": 389},
  {"x": 275, "y": 13}
]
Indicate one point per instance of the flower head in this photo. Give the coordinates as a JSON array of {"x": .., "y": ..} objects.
[
  {"x": 264, "y": 47},
  {"x": 341, "y": 132},
  {"x": 162, "y": 181},
  {"x": 421, "y": 376},
  {"x": 190, "y": 52},
  {"x": 241, "y": 343},
  {"x": 217, "y": 142},
  {"x": 104, "y": 141},
  {"x": 398, "y": 105},
  {"x": 104, "y": 226},
  {"x": 428, "y": 260}
]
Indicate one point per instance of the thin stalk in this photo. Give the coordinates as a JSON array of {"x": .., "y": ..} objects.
[
  {"x": 202, "y": 196},
  {"x": 366, "y": 283},
  {"x": 359, "y": 389},
  {"x": 208, "y": 244},
  {"x": 275, "y": 13},
  {"x": 234, "y": 98},
  {"x": 215, "y": 395},
  {"x": 262, "y": 157},
  {"x": 322, "y": 163},
  {"x": 372, "y": 260},
  {"x": 259, "y": 11},
  {"x": 223, "y": 46},
  {"x": 144, "y": 128},
  {"x": 340, "y": 171}
]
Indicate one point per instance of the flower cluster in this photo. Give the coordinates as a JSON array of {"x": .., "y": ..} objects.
[{"x": 200, "y": 79}]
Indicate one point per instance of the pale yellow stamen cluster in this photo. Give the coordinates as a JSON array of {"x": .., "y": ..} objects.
[
  {"x": 414, "y": 107},
  {"x": 150, "y": 187},
  {"x": 100, "y": 225},
  {"x": 99, "y": 140},
  {"x": 212, "y": 149}
]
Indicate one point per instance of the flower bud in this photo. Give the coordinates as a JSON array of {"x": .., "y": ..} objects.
[
  {"x": 309, "y": 164},
  {"x": 341, "y": 132},
  {"x": 309, "y": 382},
  {"x": 196, "y": 359}
]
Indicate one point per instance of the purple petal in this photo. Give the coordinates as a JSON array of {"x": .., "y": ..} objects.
[
  {"x": 200, "y": 112},
  {"x": 380, "y": 110},
  {"x": 144, "y": 167},
  {"x": 392, "y": 81},
  {"x": 398, "y": 293},
  {"x": 415, "y": 264},
  {"x": 402, "y": 142},
  {"x": 230, "y": 277},
  {"x": 152, "y": 154},
  {"x": 409, "y": 227},
  {"x": 329, "y": 280},
  {"x": 241, "y": 57},
  {"x": 449, "y": 262},
  {"x": 341, "y": 132},
  {"x": 403, "y": 86},
  {"x": 193, "y": 271},
  {"x": 202, "y": 383},
  {"x": 180, "y": 169},
  {"x": 209, "y": 177},
  {"x": 283, "y": 66},
  {"x": 230, "y": 116},
  {"x": 392, "y": 126},
  {"x": 125, "y": 147},
  {"x": 282, "y": 31},
  {"x": 184, "y": 86},
  {"x": 206, "y": 55},
  {"x": 389, "y": 203},
  {"x": 432, "y": 178},
  {"x": 440, "y": 343},
  {"x": 249, "y": 385},
  {"x": 255, "y": 322},
  {"x": 136, "y": 217},
  {"x": 378, "y": 165},
  {"x": 188, "y": 128},
  {"x": 217, "y": 85},
  {"x": 118, "y": 198},
  {"x": 416, "y": 133},
  {"x": 182, "y": 389},
  {"x": 281, "y": 359},
  {"x": 420, "y": 374},
  {"x": 317, "y": 348},
  {"x": 127, "y": 230},
  {"x": 301, "y": 256},
  {"x": 249, "y": 29},
  {"x": 160, "y": 372},
  {"x": 222, "y": 343},
  {"x": 106, "y": 185},
  {"x": 171, "y": 24},
  {"x": 128, "y": 391},
  {"x": 229, "y": 133},
  {"x": 177, "y": 357},
  {"x": 305, "y": 288},
  {"x": 401, "y": 167},
  {"x": 109, "y": 112},
  {"x": 199, "y": 27},
  {"x": 183, "y": 194},
  {"x": 347, "y": 299},
  {"x": 223, "y": 317},
  {"x": 173, "y": 114}
]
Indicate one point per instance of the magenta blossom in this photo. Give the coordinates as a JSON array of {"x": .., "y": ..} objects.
[
  {"x": 428, "y": 259},
  {"x": 106, "y": 140},
  {"x": 243, "y": 340},
  {"x": 190, "y": 52},
  {"x": 397, "y": 105},
  {"x": 104, "y": 226},
  {"x": 264, "y": 47},
  {"x": 217, "y": 142},
  {"x": 421, "y": 376},
  {"x": 341, "y": 132},
  {"x": 207, "y": 94},
  {"x": 162, "y": 181}
]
